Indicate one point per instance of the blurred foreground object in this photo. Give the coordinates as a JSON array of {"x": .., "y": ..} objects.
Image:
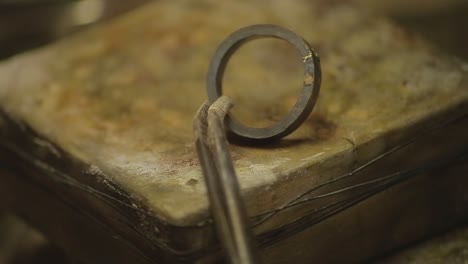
[{"x": 100, "y": 138}]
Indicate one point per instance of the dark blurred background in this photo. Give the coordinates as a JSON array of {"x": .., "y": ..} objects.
[
  {"x": 444, "y": 23},
  {"x": 25, "y": 24}
]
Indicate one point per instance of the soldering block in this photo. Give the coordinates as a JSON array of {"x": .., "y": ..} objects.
[{"x": 97, "y": 146}]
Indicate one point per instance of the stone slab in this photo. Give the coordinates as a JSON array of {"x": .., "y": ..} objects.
[{"x": 110, "y": 108}]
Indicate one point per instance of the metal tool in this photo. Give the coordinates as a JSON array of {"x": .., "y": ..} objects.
[
  {"x": 227, "y": 206},
  {"x": 220, "y": 177}
]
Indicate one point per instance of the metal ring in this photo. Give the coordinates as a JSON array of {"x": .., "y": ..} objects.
[{"x": 304, "y": 104}]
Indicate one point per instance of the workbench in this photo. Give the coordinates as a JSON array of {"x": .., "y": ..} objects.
[{"x": 97, "y": 148}]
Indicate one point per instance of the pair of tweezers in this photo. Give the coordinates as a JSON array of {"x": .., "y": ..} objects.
[{"x": 227, "y": 206}]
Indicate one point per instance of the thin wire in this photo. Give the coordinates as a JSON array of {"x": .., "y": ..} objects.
[
  {"x": 297, "y": 225},
  {"x": 269, "y": 214}
]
